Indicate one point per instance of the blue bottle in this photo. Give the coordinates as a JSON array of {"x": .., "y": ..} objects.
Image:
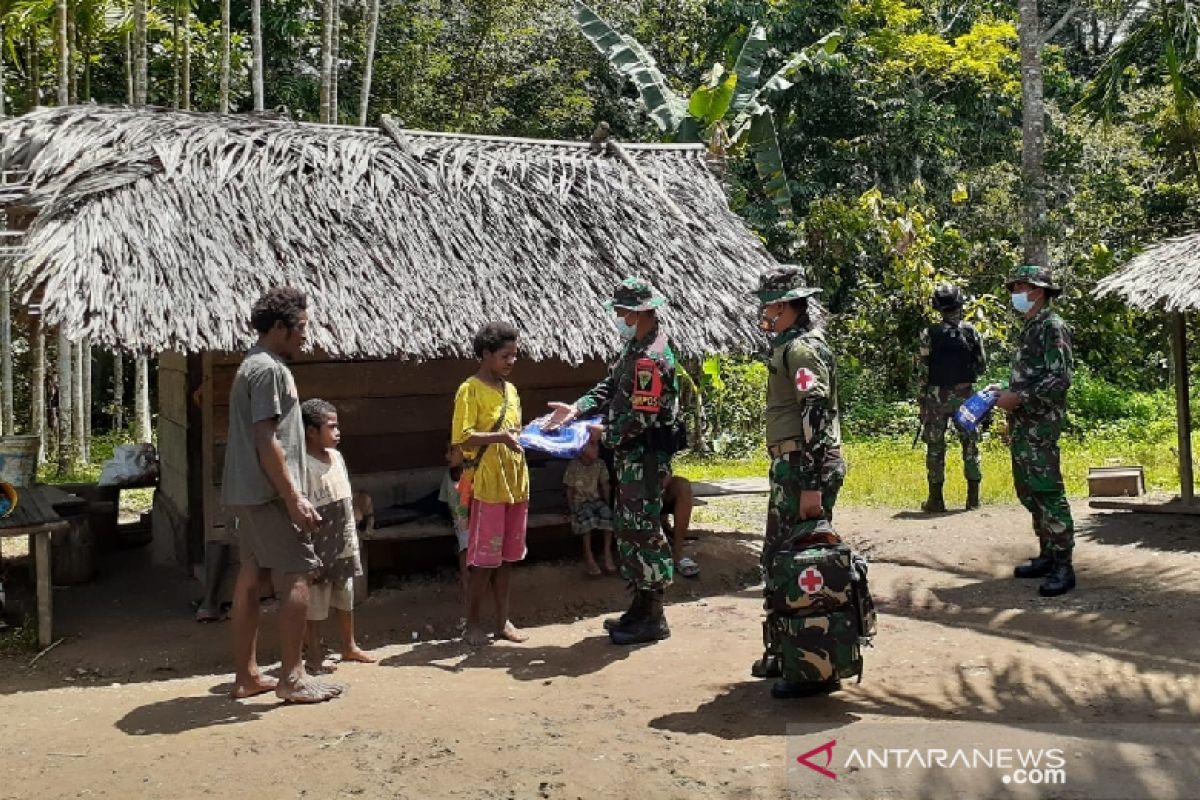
[{"x": 974, "y": 409}]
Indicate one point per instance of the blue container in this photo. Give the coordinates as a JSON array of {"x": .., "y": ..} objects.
[{"x": 974, "y": 409}]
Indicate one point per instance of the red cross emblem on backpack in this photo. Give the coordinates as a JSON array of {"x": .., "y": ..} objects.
[{"x": 811, "y": 580}]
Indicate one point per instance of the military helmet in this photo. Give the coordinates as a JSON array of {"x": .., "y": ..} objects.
[
  {"x": 783, "y": 284},
  {"x": 947, "y": 297},
  {"x": 1034, "y": 276},
  {"x": 635, "y": 294}
]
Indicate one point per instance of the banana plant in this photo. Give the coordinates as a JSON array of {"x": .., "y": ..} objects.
[{"x": 729, "y": 110}]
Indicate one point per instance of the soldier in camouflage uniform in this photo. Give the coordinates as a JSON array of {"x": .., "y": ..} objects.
[
  {"x": 803, "y": 430},
  {"x": 951, "y": 360},
  {"x": 1036, "y": 402},
  {"x": 639, "y": 400}
]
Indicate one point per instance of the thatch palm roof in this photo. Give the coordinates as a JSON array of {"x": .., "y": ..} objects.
[
  {"x": 156, "y": 230},
  {"x": 1165, "y": 276}
]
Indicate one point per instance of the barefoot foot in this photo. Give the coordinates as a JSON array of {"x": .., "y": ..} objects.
[
  {"x": 512, "y": 633},
  {"x": 475, "y": 636},
  {"x": 255, "y": 686},
  {"x": 357, "y": 654}
]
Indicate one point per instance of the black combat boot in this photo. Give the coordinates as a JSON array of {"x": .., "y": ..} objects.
[
  {"x": 936, "y": 503},
  {"x": 1036, "y": 568},
  {"x": 972, "y": 495},
  {"x": 650, "y": 628},
  {"x": 786, "y": 690},
  {"x": 1061, "y": 579},
  {"x": 636, "y": 612},
  {"x": 766, "y": 667}
]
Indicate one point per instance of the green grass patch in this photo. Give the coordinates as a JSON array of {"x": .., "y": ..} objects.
[
  {"x": 19, "y": 641},
  {"x": 888, "y": 472}
]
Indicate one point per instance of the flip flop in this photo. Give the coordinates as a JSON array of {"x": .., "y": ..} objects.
[
  {"x": 687, "y": 567},
  {"x": 308, "y": 690}
]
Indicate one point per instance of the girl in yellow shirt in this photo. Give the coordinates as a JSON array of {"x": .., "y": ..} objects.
[{"x": 487, "y": 419}]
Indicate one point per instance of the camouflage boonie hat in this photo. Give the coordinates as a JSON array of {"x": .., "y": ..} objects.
[
  {"x": 635, "y": 294},
  {"x": 783, "y": 284},
  {"x": 1034, "y": 276}
]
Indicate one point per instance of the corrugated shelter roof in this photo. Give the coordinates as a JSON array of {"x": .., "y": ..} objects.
[
  {"x": 156, "y": 230},
  {"x": 1165, "y": 276}
]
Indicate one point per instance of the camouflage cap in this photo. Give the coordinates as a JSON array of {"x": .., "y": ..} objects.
[
  {"x": 635, "y": 294},
  {"x": 1034, "y": 276},
  {"x": 783, "y": 284}
]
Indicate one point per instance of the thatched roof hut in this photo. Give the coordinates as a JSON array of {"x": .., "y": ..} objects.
[
  {"x": 155, "y": 230},
  {"x": 1167, "y": 276}
]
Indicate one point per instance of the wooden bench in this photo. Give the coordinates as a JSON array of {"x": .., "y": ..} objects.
[{"x": 35, "y": 517}]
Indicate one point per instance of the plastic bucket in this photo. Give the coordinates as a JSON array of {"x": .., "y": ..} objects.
[{"x": 18, "y": 459}]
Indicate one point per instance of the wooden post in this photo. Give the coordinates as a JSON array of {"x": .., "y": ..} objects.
[
  {"x": 141, "y": 400},
  {"x": 6, "y": 355},
  {"x": 37, "y": 410},
  {"x": 41, "y": 554},
  {"x": 66, "y": 393},
  {"x": 85, "y": 350},
  {"x": 1183, "y": 410},
  {"x": 78, "y": 412},
  {"x": 118, "y": 389}
]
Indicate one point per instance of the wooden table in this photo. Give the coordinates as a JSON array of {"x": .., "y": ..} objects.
[{"x": 36, "y": 518}]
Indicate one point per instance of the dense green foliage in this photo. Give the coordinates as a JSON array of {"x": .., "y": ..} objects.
[{"x": 902, "y": 154}]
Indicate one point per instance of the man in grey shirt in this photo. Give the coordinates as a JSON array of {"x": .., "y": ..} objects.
[{"x": 262, "y": 490}]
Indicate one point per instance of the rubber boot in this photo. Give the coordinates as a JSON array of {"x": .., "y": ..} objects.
[
  {"x": 1061, "y": 579},
  {"x": 651, "y": 628},
  {"x": 766, "y": 667},
  {"x": 972, "y": 495},
  {"x": 936, "y": 503},
  {"x": 636, "y": 612}
]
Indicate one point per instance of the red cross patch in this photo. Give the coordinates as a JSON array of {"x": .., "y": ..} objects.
[
  {"x": 811, "y": 580},
  {"x": 805, "y": 379}
]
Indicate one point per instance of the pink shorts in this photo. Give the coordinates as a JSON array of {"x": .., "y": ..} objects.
[{"x": 496, "y": 533}]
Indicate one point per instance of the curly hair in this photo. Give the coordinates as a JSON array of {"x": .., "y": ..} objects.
[
  {"x": 280, "y": 304},
  {"x": 493, "y": 336},
  {"x": 314, "y": 412}
]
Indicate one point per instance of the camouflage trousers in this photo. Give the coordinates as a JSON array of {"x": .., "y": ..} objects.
[
  {"x": 644, "y": 555},
  {"x": 1038, "y": 481},
  {"x": 936, "y": 418},
  {"x": 786, "y": 479}
]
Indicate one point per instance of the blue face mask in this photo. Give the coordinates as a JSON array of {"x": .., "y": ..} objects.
[
  {"x": 626, "y": 330},
  {"x": 1022, "y": 303}
]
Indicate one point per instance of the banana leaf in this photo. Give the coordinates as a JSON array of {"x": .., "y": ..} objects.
[
  {"x": 627, "y": 56},
  {"x": 768, "y": 162},
  {"x": 748, "y": 67}
]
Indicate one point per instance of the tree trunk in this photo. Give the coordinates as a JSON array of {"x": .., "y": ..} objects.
[
  {"x": 1033, "y": 136},
  {"x": 78, "y": 412},
  {"x": 85, "y": 350},
  {"x": 6, "y": 357},
  {"x": 118, "y": 387},
  {"x": 141, "y": 400},
  {"x": 86, "y": 50},
  {"x": 256, "y": 71},
  {"x": 333, "y": 72},
  {"x": 364, "y": 101},
  {"x": 129, "y": 94},
  {"x": 176, "y": 56},
  {"x": 326, "y": 61},
  {"x": 140, "y": 76},
  {"x": 224, "y": 98},
  {"x": 66, "y": 393},
  {"x": 62, "y": 48},
  {"x": 2, "y": 101},
  {"x": 72, "y": 56},
  {"x": 187, "y": 56},
  {"x": 37, "y": 389},
  {"x": 35, "y": 72}
]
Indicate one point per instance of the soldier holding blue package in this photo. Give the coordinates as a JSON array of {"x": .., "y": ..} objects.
[{"x": 1036, "y": 402}]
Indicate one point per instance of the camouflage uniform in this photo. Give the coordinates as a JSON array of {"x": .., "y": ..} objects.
[
  {"x": 802, "y": 418},
  {"x": 938, "y": 404},
  {"x": 641, "y": 456},
  {"x": 1041, "y": 376}
]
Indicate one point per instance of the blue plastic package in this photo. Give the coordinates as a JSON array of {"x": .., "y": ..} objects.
[
  {"x": 566, "y": 442},
  {"x": 974, "y": 409}
]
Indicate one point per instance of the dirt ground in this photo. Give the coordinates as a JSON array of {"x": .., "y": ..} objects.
[{"x": 133, "y": 704}]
